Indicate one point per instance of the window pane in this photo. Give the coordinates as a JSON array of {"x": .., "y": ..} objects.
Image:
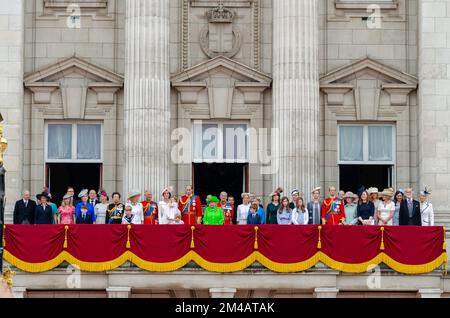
[
  {"x": 205, "y": 141},
  {"x": 89, "y": 142},
  {"x": 380, "y": 143},
  {"x": 59, "y": 142},
  {"x": 351, "y": 143},
  {"x": 235, "y": 142}
]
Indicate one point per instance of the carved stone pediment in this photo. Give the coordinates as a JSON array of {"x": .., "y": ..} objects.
[
  {"x": 367, "y": 79},
  {"x": 73, "y": 77},
  {"x": 220, "y": 77}
]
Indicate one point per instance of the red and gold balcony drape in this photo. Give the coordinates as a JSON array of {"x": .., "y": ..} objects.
[{"x": 284, "y": 249}]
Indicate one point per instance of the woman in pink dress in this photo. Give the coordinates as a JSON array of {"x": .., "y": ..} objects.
[{"x": 66, "y": 212}]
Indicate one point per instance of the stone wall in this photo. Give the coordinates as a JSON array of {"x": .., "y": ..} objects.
[
  {"x": 434, "y": 99},
  {"x": 11, "y": 96}
]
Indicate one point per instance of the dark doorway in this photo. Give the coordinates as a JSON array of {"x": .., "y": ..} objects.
[
  {"x": 78, "y": 175},
  {"x": 213, "y": 178},
  {"x": 352, "y": 177}
]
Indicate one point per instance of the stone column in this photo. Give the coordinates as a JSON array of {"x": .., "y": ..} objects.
[
  {"x": 296, "y": 94},
  {"x": 11, "y": 92},
  {"x": 147, "y": 93},
  {"x": 434, "y": 102}
]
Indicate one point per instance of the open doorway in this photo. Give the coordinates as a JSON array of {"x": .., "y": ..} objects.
[
  {"x": 352, "y": 177},
  {"x": 78, "y": 175},
  {"x": 213, "y": 178}
]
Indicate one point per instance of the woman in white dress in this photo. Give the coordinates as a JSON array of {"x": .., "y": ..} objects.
[
  {"x": 165, "y": 207},
  {"x": 138, "y": 209},
  {"x": 300, "y": 215},
  {"x": 386, "y": 208},
  {"x": 101, "y": 208},
  {"x": 243, "y": 209},
  {"x": 426, "y": 208}
]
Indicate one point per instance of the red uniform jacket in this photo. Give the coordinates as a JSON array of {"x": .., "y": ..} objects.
[
  {"x": 150, "y": 212},
  {"x": 228, "y": 213},
  {"x": 333, "y": 211},
  {"x": 191, "y": 209}
]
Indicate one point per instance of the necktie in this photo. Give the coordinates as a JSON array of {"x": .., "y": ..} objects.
[{"x": 26, "y": 204}]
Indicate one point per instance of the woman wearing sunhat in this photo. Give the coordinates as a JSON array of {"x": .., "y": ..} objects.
[
  {"x": 386, "y": 208},
  {"x": 138, "y": 210},
  {"x": 43, "y": 213},
  {"x": 426, "y": 208},
  {"x": 83, "y": 195},
  {"x": 66, "y": 212},
  {"x": 350, "y": 208},
  {"x": 213, "y": 214}
]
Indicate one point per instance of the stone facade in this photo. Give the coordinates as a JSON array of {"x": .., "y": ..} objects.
[
  {"x": 368, "y": 71},
  {"x": 143, "y": 68}
]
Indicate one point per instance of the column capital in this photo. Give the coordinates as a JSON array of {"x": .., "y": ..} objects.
[
  {"x": 326, "y": 292},
  {"x": 222, "y": 292},
  {"x": 118, "y": 292}
]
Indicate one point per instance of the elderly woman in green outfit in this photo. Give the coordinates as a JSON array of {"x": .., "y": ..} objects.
[{"x": 213, "y": 214}]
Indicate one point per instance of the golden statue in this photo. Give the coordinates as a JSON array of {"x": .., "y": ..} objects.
[
  {"x": 3, "y": 142},
  {"x": 8, "y": 275}
]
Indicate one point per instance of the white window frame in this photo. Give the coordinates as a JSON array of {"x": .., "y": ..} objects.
[
  {"x": 74, "y": 158},
  {"x": 220, "y": 142},
  {"x": 366, "y": 160}
]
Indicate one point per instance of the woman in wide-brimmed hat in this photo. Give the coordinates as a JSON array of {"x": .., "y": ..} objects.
[
  {"x": 83, "y": 195},
  {"x": 386, "y": 208},
  {"x": 66, "y": 212},
  {"x": 426, "y": 208},
  {"x": 138, "y": 209},
  {"x": 43, "y": 213},
  {"x": 350, "y": 208}
]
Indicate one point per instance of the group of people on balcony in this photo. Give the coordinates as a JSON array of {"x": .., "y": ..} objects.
[{"x": 367, "y": 207}]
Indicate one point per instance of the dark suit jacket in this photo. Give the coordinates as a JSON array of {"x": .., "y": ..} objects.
[
  {"x": 404, "y": 213},
  {"x": 42, "y": 216},
  {"x": 22, "y": 213},
  {"x": 309, "y": 206},
  {"x": 86, "y": 220},
  {"x": 253, "y": 220}
]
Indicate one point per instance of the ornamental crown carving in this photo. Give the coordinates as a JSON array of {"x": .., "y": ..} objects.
[{"x": 220, "y": 14}]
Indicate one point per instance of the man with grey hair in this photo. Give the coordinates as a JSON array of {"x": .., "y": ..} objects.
[
  {"x": 410, "y": 210},
  {"x": 24, "y": 209}
]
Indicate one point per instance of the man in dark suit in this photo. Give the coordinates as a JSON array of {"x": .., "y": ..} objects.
[
  {"x": 24, "y": 210},
  {"x": 93, "y": 198},
  {"x": 314, "y": 208},
  {"x": 410, "y": 210}
]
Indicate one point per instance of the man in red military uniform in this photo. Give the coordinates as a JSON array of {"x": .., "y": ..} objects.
[
  {"x": 227, "y": 208},
  {"x": 150, "y": 209},
  {"x": 333, "y": 211},
  {"x": 190, "y": 207}
]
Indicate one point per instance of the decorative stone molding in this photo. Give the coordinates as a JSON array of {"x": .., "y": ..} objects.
[
  {"x": 324, "y": 292},
  {"x": 229, "y": 4},
  {"x": 222, "y": 292},
  {"x": 343, "y": 10},
  {"x": 97, "y": 9},
  {"x": 73, "y": 77},
  {"x": 256, "y": 30},
  {"x": 430, "y": 293},
  {"x": 220, "y": 76},
  {"x": 367, "y": 79},
  {"x": 19, "y": 292},
  {"x": 217, "y": 37},
  {"x": 118, "y": 292},
  {"x": 185, "y": 35}
]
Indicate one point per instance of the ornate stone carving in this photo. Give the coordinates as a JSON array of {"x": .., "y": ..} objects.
[{"x": 219, "y": 37}]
